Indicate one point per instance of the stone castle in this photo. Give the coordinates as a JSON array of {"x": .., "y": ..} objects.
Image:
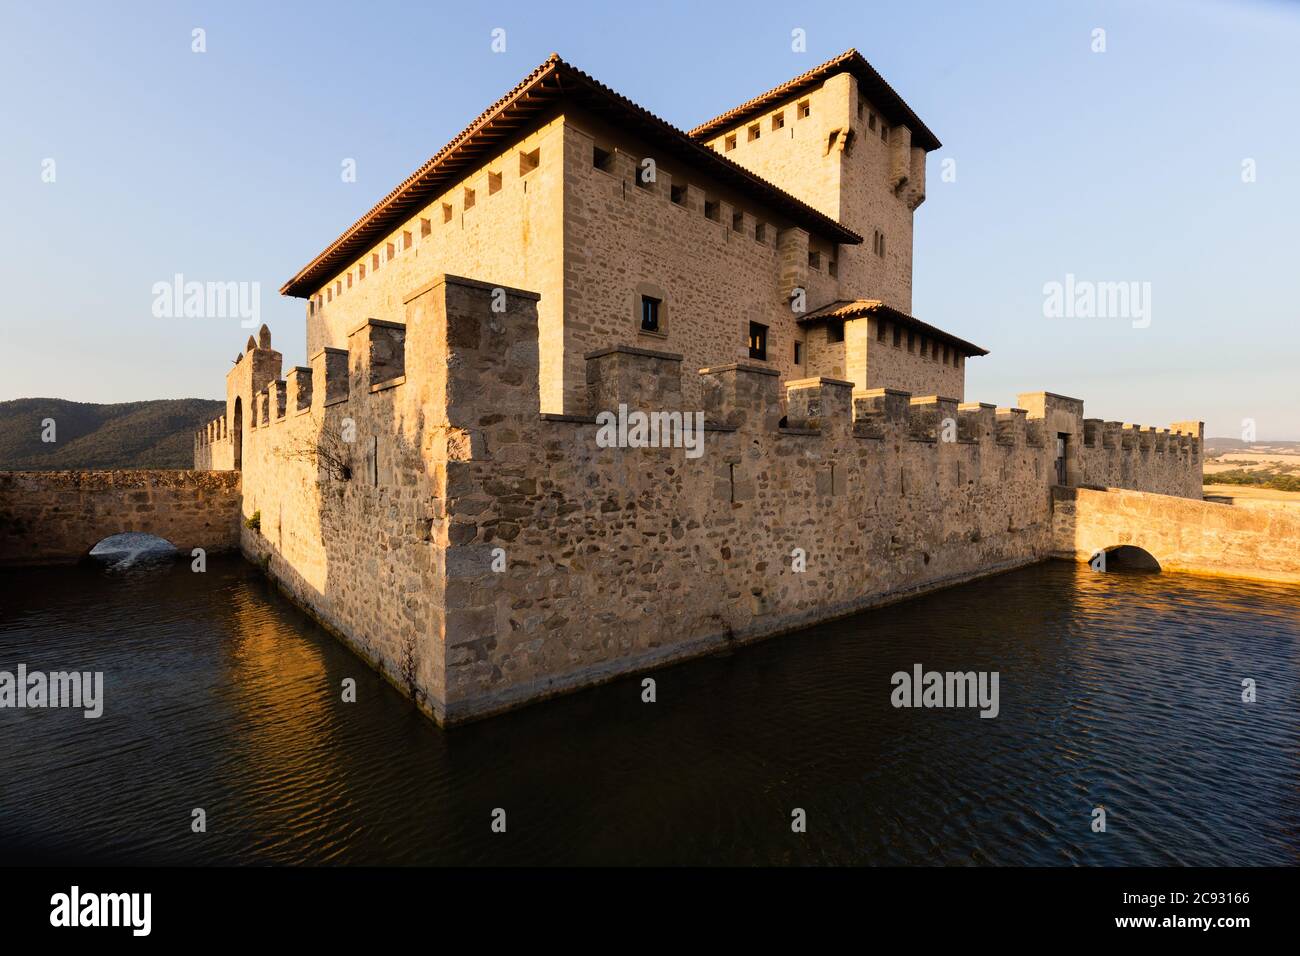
[{"x": 431, "y": 487}]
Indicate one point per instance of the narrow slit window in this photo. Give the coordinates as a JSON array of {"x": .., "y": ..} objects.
[{"x": 650, "y": 313}]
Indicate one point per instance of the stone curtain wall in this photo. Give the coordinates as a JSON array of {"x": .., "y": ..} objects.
[
  {"x": 1201, "y": 537},
  {"x": 621, "y": 558},
  {"x": 482, "y": 554},
  {"x": 55, "y": 517}
]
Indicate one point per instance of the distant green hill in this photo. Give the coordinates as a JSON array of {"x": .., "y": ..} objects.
[{"x": 157, "y": 434}]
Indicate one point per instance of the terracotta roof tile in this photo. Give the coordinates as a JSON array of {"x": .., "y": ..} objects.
[
  {"x": 856, "y": 308},
  {"x": 550, "y": 83}
]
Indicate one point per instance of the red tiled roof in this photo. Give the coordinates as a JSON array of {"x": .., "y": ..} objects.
[
  {"x": 859, "y": 307},
  {"x": 550, "y": 83},
  {"x": 879, "y": 93}
]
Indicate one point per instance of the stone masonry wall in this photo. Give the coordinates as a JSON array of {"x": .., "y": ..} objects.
[{"x": 56, "y": 517}]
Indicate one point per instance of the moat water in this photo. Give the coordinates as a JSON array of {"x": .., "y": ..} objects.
[{"x": 1116, "y": 690}]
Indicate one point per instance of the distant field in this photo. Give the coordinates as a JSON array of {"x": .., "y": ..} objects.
[{"x": 1253, "y": 472}]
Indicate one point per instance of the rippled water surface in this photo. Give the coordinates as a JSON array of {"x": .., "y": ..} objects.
[{"x": 1119, "y": 690}]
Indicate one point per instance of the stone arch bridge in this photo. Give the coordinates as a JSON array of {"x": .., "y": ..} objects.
[
  {"x": 56, "y": 517},
  {"x": 1182, "y": 534}
]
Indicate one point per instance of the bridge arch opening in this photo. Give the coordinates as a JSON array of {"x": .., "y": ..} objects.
[
  {"x": 132, "y": 547},
  {"x": 1128, "y": 557}
]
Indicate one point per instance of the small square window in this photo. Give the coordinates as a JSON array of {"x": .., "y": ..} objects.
[
  {"x": 712, "y": 210},
  {"x": 494, "y": 182},
  {"x": 798, "y": 353},
  {"x": 602, "y": 159},
  {"x": 729, "y": 143},
  {"x": 834, "y": 332},
  {"x": 758, "y": 341},
  {"x": 529, "y": 161},
  {"x": 678, "y": 195},
  {"x": 804, "y": 110},
  {"x": 755, "y": 132},
  {"x": 650, "y": 313},
  {"x": 778, "y": 121},
  {"x": 814, "y": 260}
]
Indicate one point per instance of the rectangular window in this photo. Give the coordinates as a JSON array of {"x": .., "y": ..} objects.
[
  {"x": 678, "y": 195},
  {"x": 738, "y": 221},
  {"x": 446, "y": 212},
  {"x": 361, "y": 271},
  {"x": 814, "y": 259},
  {"x": 898, "y": 336},
  {"x": 878, "y": 243},
  {"x": 778, "y": 121},
  {"x": 884, "y": 133},
  {"x": 760, "y": 231},
  {"x": 374, "y": 262},
  {"x": 349, "y": 280},
  {"x": 529, "y": 161},
  {"x": 406, "y": 239},
  {"x": 755, "y": 132},
  {"x": 712, "y": 210},
  {"x": 880, "y": 330},
  {"x": 602, "y": 159},
  {"x": 758, "y": 341},
  {"x": 426, "y": 227},
  {"x": 871, "y": 122},
  {"x": 729, "y": 143},
  {"x": 649, "y": 314},
  {"x": 834, "y": 332},
  {"x": 911, "y": 341},
  {"x": 391, "y": 251},
  {"x": 494, "y": 182},
  {"x": 945, "y": 355},
  {"x": 798, "y": 353},
  {"x": 469, "y": 199},
  {"x": 833, "y": 267},
  {"x": 804, "y": 110}
]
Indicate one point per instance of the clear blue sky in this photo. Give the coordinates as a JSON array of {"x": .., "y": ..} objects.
[{"x": 1123, "y": 165}]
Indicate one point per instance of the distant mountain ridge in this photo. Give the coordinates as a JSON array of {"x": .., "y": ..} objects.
[{"x": 152, "y": 434}]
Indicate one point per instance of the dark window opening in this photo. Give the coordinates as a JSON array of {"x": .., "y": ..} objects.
[
  {"x": 650, "y": 313},
  {"x": 678, "y": 195},
  {"x": 798, "y": 353},
  {"x": 602, "y": 159},
  {"x": 758, "y": 341},
  {"x": 834, "y": 331}
]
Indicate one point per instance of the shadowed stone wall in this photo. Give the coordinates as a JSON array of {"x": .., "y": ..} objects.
[{"x": 56, "y": 517}]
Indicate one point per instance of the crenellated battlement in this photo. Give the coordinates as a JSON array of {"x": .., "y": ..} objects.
[{"x": 388, "y": 474}]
